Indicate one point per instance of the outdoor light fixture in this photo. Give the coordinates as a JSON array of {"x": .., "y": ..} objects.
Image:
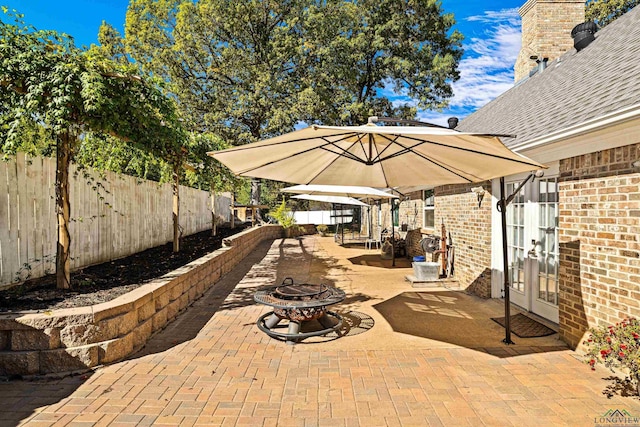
[{"x": 479, "y": 192}]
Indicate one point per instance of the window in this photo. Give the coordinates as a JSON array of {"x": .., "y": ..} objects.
[{"x": 428, "y": 217}]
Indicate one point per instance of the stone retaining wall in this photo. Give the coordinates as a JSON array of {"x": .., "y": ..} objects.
[{"x": 76, "y": 339}]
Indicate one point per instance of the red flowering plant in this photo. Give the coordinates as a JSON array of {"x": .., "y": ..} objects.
[{"x": 616, "y": 347}]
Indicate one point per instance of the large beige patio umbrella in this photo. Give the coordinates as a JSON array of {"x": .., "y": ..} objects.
[
  {"x": 376, "y": 156},
  {"x": 384, "y": 157}
]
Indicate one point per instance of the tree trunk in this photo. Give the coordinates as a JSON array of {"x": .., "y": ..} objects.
[
  {"x": 255, "y": 196},
  {"x": 214, "y": 227},
  {"x": 176, "y": 209},
  {"x": 233, "y": 211},
  {"x": 63, "y": 211}
]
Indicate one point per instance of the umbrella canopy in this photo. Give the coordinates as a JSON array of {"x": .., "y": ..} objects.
[
  {"x": 376, "y": 156},
  {"x": 342, "y": 200},
  {"x": 340, "y": 190}
]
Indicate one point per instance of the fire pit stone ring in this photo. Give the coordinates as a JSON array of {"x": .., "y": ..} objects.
[{"x": 299, "y": 303}]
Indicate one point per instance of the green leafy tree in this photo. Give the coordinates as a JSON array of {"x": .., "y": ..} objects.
[
  {"x": 112, "y": 47},
  {"x": 28, "y": 137},
  {"x": 107, "y": 153},
  {"x": 362, "y": 54},
  {"x": 603, "y": 12},
  {"x": 206, "y": 173},
  {"x": 73, "y": 93},
  {"x": 252, "y": 69},
  {"x": 232, "y": 67}
]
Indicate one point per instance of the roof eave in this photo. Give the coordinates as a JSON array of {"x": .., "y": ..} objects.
[{"x": 589, "y": 126}]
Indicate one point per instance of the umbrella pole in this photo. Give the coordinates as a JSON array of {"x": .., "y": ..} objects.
[
  {"x": 502, "y": 204},
  {"x": 393, "y": 237},
  {"x": 502, "y": 207},
  {"x": 342, "y": 222}
]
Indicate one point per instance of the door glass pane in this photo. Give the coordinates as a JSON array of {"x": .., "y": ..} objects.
[
  {"x": 548, "y": 238},
  {"x": 515, "y": 240},
  {"x": 552, "y": 215}
]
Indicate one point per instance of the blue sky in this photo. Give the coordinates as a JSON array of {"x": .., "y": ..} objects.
[{"x": 491, "y": 29}]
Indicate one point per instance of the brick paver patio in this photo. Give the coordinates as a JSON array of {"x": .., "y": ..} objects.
[{"x": 419, "y": 357}]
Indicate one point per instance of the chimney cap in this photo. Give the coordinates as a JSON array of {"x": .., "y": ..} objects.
[
  {"x": 589, "y": 26},
  {"x": 583, "y": 34}
]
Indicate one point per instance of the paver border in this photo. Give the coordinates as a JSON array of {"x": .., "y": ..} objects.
[{"x": 77, "y": 339}]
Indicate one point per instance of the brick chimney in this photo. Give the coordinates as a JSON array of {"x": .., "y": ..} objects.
[{"x": 546, "y": 31}]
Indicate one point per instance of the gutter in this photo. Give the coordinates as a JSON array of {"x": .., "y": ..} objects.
[{"x": 620, "y": 116}]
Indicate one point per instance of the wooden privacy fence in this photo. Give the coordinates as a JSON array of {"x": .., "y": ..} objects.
[{"x": 112, "y": 216}]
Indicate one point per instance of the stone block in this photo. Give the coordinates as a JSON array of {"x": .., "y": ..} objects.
[
  {"x": 9, "y": 323},
  {"x": 214, "y": 276},
  {"x": 173, "y": 309},
  {"x": 145, "y": 311},
  {"x": 161, "y": 298},
  {"x": 68, "y": 359},
  {"x": 193, "y": 293},
  {"x": 5, "y": 340},
  {"x": 19, "y": 363},
  {"x": 142, "y": 333},
  {"x": 113, "y": 308},
  {"x": 201, "y": 287},
  {"x": 79, "y": 335},
  {"x": 160, "y": 319},
  {"x": 33, "y": 339},
  {"x": 183, "y": 302},
  {"x": 127, "y": 323},
  {"x": 114, "y": 350},
  {"x": 108, "y": 329},
  {"x": 57, "y": 319},
  {"x": 176, "y": 291}
]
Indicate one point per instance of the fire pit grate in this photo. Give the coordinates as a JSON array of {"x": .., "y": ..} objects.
[{"x": 299, "y": 303}]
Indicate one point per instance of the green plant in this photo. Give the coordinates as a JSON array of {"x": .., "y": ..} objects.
[
  {"x": 322, "y": 228},
  {"x": 616, "y": 347},
  {"x": 284, "y": 216}
]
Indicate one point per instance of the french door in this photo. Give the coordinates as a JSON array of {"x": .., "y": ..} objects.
[{"x": 532, "y": 242}]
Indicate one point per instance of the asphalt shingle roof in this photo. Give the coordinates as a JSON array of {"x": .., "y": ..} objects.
[{"x": 579, "y": 86}]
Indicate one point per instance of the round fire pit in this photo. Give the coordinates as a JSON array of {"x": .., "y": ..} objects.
[{"x": 299, "y": 303}]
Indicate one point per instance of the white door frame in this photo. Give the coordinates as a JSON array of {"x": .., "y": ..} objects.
[{"x": 525, "y": 299}]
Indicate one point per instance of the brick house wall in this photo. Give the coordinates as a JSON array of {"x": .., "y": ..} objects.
[
  {"x": 599, "y": 231},
  {"x": 470, "y": 228},
  {"x": 411, "y": 211},
  {"x": 546, "y": 31},
  {"x": 469, "y": 225}
]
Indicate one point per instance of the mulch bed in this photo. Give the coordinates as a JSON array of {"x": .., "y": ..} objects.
[{"x": 104, "y": 282}]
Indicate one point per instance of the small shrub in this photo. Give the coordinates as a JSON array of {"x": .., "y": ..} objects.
[
  {"x": 285, "y": 218},
  {"x": 322, "y": 229},
  {"x": 616, "y": 347}
]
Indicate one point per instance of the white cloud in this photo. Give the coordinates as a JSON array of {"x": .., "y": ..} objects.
[
  {"x": 486, "y": 70},
  {"x": 504, "y": 15}
]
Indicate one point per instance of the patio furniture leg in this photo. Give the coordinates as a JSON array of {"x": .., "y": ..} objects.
[
  {"x": 294, "y": 328},
  {"x": 272, "y": 321}
]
